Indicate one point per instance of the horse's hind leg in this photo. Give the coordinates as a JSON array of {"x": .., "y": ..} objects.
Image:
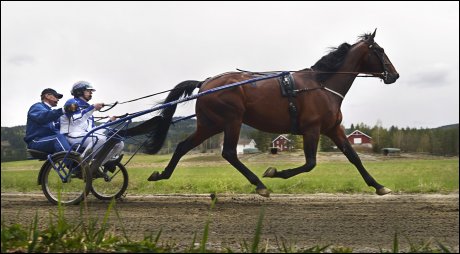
[
  {"x": 231, "y": 136},
  {"x": 200, "y": 135},
  {"x": 340, "y": 139}
]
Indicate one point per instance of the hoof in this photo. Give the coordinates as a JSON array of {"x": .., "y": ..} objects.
[
  {"x": 270, "y": 172},
  {"x": 383, "y": 191},
  {"x": 155, "y": 176},
  {"x": 263, "y": 192}
]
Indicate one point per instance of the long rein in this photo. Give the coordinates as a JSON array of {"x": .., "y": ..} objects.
[
  {"x": 111, "y": 105},
  {"x": 367, "y": 75}
]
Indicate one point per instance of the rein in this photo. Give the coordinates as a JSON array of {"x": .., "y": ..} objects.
[
  {"x": 365, "y": 75},
  {"x": 111, "y": 106},
  {"x": 140, "y": 98},
  {"x": 104, "y": 117}
]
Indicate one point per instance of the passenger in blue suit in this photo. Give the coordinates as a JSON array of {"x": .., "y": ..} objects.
[{"x": 42, "y": 130}]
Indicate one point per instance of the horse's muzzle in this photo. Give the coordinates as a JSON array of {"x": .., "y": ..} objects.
[{"x": 390, "y": 78}]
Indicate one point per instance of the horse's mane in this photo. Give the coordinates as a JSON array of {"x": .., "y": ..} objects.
[
  {"x": 364, "y": 37},
  {"x": 334, "y": 59},
  {"x": 331, "y": 62}
]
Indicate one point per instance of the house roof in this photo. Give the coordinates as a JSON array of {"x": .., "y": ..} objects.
[
  {"x": 358, "y": 132},
  {"x": 280, "y": 136},
  {"x": 245, "y": 141}
]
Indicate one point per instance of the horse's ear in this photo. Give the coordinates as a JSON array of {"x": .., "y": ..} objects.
[{"x": 371, "y": 38}]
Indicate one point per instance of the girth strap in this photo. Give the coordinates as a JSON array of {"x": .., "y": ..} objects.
[{"x": 288, "y": 90}]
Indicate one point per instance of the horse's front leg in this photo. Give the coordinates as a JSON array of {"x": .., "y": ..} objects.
[
  {"x": 310, "y": 144},
  {"x": 340, "y": 139}
]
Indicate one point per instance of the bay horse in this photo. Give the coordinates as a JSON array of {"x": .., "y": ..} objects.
[{"x": 318, "y": 98}]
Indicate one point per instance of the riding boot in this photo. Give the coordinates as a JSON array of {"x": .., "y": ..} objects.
[{"x": 111, "y": 164}]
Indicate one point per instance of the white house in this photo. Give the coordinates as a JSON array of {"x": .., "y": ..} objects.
[{"x": 243, "y": 143}]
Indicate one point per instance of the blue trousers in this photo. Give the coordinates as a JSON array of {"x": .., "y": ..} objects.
[{"x": 50, "y": 144}]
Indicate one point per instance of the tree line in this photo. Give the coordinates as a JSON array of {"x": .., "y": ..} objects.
[{"x": 437, "y": 141}]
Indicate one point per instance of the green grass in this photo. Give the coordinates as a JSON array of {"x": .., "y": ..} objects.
[{"x": 210, "y": 173}]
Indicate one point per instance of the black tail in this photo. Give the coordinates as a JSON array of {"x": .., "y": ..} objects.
[{"x": 157, "y": 136}]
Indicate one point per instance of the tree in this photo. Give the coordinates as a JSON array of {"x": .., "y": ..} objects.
[
  {"x": 262, "y": 139},
  {"x": 326, "y": 144},
  {"x": 380, "y": 138},
  {"x": 296, "y": 141}
]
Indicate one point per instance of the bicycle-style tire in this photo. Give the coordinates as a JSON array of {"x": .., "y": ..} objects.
[
  {"x": 72, "y": 191},
  {"x": 110, "y": 185}
]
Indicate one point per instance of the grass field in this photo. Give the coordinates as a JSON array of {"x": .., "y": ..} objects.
[{"x": 208, "y": 173}]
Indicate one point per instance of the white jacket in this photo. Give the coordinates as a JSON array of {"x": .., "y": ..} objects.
[{"x": 80, "y": 122}]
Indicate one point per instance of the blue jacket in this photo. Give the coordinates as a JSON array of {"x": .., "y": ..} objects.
[{"x": 42, "y": 121}]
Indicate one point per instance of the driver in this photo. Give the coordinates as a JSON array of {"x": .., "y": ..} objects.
[{"x": 80, "y": 120}]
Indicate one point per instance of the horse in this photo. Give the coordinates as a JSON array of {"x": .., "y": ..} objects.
[{"x": 314, "y": 110}]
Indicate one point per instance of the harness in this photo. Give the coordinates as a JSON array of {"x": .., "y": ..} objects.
[
  {"x": 288, "y": 90},
  {"x": 287, "y": 86}
]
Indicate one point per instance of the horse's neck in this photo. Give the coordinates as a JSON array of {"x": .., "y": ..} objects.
[
  {"x": 340, "y": 83},
  {"x": 346, "y": 75}
]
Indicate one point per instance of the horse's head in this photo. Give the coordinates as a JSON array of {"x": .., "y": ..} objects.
[{"x": 376, "y": 62}]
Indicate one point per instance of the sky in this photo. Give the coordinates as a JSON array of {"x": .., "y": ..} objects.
[{"x": 127, "y": 50}]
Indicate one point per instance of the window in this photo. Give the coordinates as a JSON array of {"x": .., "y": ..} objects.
[{"x": 357, "y": 141}]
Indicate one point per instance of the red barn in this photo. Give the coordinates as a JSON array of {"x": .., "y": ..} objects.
[
  {"x": 282, "y": 143},
  {"x": 359, "y": 138}
]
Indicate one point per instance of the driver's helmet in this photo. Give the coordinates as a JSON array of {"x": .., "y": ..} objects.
[{"x": 79, "y": 87}]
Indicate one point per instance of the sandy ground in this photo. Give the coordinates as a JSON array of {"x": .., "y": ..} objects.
[{"x": 364, "y": 223}]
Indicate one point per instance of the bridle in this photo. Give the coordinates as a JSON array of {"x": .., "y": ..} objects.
[{"x": 379, "y": 52}]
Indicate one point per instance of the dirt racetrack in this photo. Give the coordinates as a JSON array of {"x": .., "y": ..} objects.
[{"x": 364, "y": 223}]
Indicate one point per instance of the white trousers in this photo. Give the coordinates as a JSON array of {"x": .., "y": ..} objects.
[{"x": 95, "y": 142}]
